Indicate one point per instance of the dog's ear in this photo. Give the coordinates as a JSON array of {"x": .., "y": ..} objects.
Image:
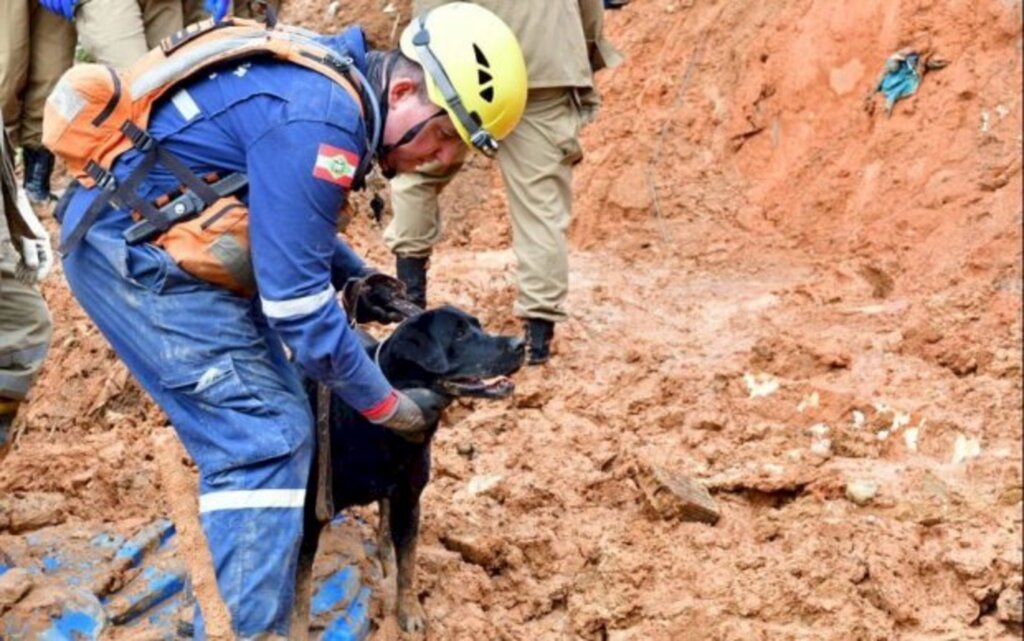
[{"x": 419, "y": 345}]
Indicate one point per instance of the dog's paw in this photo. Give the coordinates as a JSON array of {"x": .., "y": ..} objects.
[{"x": 411, "y": 617}]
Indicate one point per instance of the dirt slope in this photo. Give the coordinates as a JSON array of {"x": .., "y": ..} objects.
[{"x": 774, "y": 291}]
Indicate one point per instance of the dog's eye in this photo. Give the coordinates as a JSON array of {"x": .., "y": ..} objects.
[{"x": 461, "y": 332}]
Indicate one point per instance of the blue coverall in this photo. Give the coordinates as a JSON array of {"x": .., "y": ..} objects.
[{"x": 214, "y": 361}]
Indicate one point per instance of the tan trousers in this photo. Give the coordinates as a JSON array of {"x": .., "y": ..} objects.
[
  {"x": 194, "y": 10},
  {"x": 36, "y": 47},
  {"x": 24, "y": 336},
  {"x": 536, "y": 162},
  {"x": 119, "y": 32}
]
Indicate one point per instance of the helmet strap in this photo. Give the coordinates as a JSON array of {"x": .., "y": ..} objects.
[{"x": 481, "y": 139}]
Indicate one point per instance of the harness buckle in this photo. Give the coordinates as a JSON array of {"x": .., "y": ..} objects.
[
  {"x": 139, "y": 137},
  {"x": 104, "y": 179}
]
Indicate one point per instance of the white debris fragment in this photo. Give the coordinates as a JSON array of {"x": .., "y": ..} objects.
[
  {"x": 818, "y": 429},
  {"x": 773, "y": 468},
  {"x": 883, "y": 435},
  {"x": 881, "y": 407},
  {"x": 899, "y": 421},
  {"x": 761, "y": 385},
  {"x": 1002, "y": 110},
  {"x": 822, "y": 447},
  {"x": 965, "y": 448},
  {"x": 333, "y": 8},
  {"x": 858, "y": 419},
  {"x": 484, "y": 483},
  {"x": 811, "y": 402},
  {"x": 910, "y": 438},
  {"x": 861, "y": 492},
  {"x": 985, "y": 121}
]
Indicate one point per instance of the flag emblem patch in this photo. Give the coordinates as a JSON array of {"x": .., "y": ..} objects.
[{"x": 335, "y": 165}]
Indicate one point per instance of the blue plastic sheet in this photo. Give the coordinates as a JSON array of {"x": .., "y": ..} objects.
[{"x": 153, "y": 599}]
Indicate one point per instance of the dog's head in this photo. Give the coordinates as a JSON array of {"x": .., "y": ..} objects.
[{"x": 446, "y": 350}]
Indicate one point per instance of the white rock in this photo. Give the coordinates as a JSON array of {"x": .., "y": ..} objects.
[
  {"x": 965, "y": 448},
  {"x": 483, "y": 484},
  {"x": 861, "y": 492}
]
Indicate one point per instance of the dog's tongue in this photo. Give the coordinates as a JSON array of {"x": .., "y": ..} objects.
[{"x": 498, "y": 387}]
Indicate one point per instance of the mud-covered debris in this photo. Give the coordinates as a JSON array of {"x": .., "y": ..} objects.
[
  {"x": 484, "y": 551},
  {"x": 14, "y": 584},
  {"x": 708, "y": 421},
  {"x": 33, "y": 510},
  {"x": 485, "y": 485},
  {"x": 861, "y": 492},
  {"x": 671, "y": 495},
  {"x": 1010, "y": 605}
]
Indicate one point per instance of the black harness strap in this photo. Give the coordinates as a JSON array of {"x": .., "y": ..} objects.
[{"x": 111, "y": 194}]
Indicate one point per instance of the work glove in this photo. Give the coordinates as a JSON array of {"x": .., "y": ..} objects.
[
  {"x": 377, "y": 297},
  {"x": 36, "y": 260},
  {"x": 417, "y": 409},
  {"x": 63, "y": 8},
  {"x": 217, "y": 8}
]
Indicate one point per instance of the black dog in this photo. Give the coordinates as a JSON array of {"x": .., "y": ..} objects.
[{"x": 447, "y": 351}]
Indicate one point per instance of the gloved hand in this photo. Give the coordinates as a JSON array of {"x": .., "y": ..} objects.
[
  {"x": 36, "y": 260},
  {"x": 63, "y": 8},
  {"x": 418, "y": 409},
  {"x": 377, "y": 297},
  {"x": 217, "y": 8}
]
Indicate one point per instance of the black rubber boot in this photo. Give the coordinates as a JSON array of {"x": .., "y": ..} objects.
[
  {"x": 8, "y": 410},
  {"x": 539, "y": 333},
  {"x": 38, "y": 169},
  {"x": 413, "y": 272}
]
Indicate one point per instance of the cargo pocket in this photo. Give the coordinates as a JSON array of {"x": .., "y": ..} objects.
[
  {"x": 146, "y": 266},
  {"x": 236, "y": 426},
  {"x": 570, "y": 126}
]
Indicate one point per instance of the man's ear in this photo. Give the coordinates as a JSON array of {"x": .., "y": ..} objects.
[{"x": 401, "y": 88}]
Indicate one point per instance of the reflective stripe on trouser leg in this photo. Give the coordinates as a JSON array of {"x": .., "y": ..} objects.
[
  {"x": 209, "y": 360},
  {"x": 536, "y": 164}
]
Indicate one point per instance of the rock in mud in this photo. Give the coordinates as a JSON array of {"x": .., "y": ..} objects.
[
  {"x": 861, "y": 492},
  {"x": 1010, "y": 606},
  {"x": 486, "y": 552},
  {"x": 674, "y": 496},
  {"x": 33, "y": 510},
  {"x": 14, "y": 584}
]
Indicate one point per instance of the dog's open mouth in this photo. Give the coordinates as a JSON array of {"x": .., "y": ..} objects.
[{"x": 495, "y": 387}]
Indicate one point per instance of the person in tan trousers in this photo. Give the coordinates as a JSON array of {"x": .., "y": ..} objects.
[
  {"x": 563, "y": 44},
  {"x": 36, "y": 47},
  {"x": 119, "y": 32},
  {"x": 195, "y": 11}
]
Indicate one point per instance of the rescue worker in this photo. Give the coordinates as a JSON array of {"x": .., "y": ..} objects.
[
  {"x": 25, "y": 259},
  {"x": 563, "y": 44},
  {"x": 36, "y": 47},
  {"x": 119, "y": 32},
  {"x": 215, "y": 361}
]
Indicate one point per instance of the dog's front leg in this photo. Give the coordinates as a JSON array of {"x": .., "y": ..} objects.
[
  {"x": 385, "y": 545},
  {"x": 405, "y": 526}
]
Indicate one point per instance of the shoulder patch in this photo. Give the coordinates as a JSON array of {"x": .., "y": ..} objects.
[{"x": 335, "y": 165}]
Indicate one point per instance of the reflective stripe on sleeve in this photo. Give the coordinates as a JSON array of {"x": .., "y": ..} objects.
[
  {"x": 251, "y": 500},
  {"x": 295, "y": 307}
]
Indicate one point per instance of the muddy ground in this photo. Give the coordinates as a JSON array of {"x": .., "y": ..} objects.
[{"x": 813, "y": 309}]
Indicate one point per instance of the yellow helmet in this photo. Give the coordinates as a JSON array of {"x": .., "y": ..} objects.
[{"x": 474, "y": 69}]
